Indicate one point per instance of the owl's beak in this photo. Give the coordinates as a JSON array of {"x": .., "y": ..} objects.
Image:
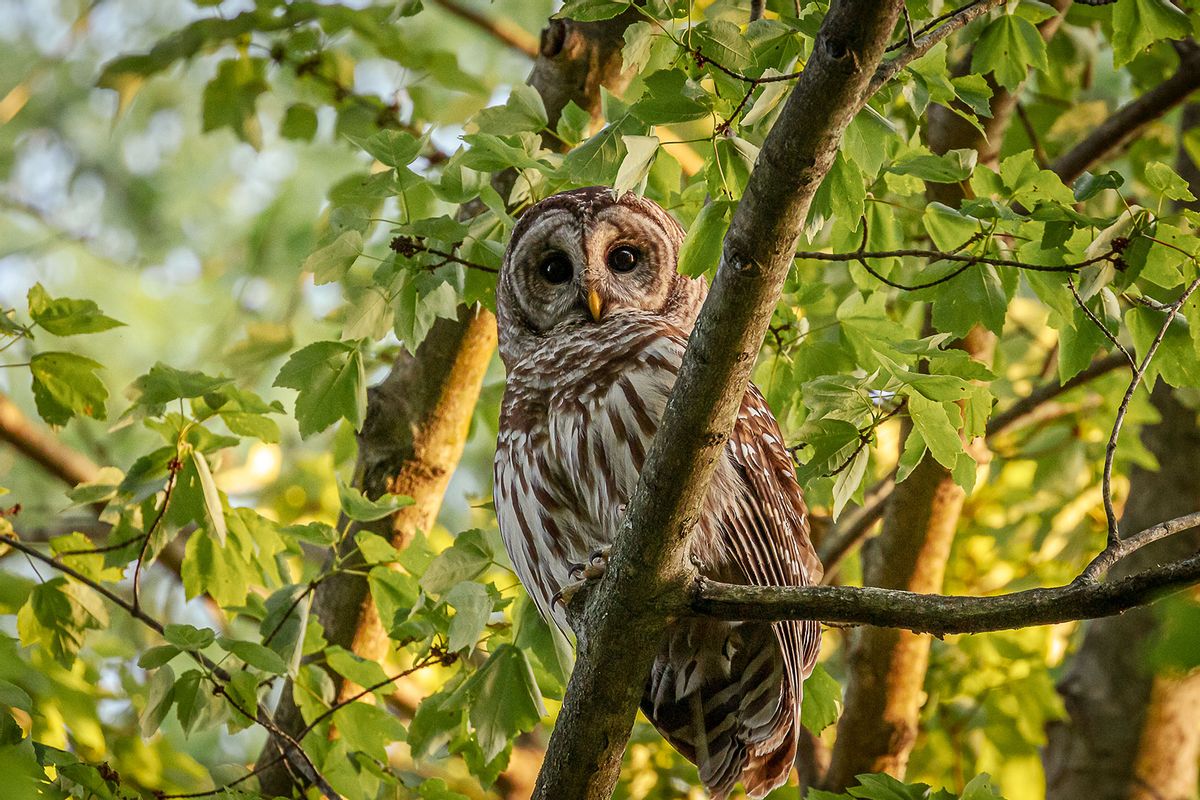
[{"x": 595, "y": 304}]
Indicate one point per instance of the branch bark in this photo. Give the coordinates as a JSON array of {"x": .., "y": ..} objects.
[
  {"x": 43, "y": 447},
  {"x": 943, "y": 615},
  {"x": 622, "y": 628},
  {"x": 1124, "y": 124}
]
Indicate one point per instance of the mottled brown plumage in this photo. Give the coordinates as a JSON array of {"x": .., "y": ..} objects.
[{"x": 594, "y": 319}]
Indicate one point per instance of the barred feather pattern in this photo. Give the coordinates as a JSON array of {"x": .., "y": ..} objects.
[{"x": 582, "y": 402}]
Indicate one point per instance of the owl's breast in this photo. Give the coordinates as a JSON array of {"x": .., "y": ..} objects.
[{"x": 573, "y": 438}]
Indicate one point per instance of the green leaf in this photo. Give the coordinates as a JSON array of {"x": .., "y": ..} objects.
[
  {"x": 591, "y": 10},
  {"x": 940, "y": 434},
  {"x": 1088, "y": 185},
  {"x": 157, "y": 656},
  {"x": 394, "y": 149},
  {"x": 701, "y": 249},
  {"x": 952, "y": 167},
  {"x": 1007, "y": 48},
  {"x": 464, "y": 561},
  {"x": 162, "y": 384},
  {"x": 299, "y": 122},
  {"x": 332, "y": 382},
  {"x": 375, "y": 549},
  {"x": 357, "y": 507},
  {"x": 158, "y": 701},
  {"x": 1167, "y": 182},
  {"x": 472, "y": 606},
  {"x": 64, "y": 385},
  {"x": 522, "y": 111},
  {"x": 1136, "y": 24},
  {"x": 254, "y": 654},
  {"x": 189, "y": 699},
  {"x": 503, "y": 699},
  {"x": 639, "y": 155},
  {"x": 1176, "y": 359},
  {"x": 822, "y": 700},
  {"x": 331, "y": 262},
  {"x": 188, "y": 637},
  {"x": 882, "y": 786},
  {"x": 354, "y": 668},
  {"x": 64, "y": 316},
  {"x": 214, "y": 512},
  {"x": 368, "y": 729},
  {"x": 230, "y": 98},
  {"x": 14, "y": 696}
]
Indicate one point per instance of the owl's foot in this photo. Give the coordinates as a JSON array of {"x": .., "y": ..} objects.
[{"x": 582, "y": 576}]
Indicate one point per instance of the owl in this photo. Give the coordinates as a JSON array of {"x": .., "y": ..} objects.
[{"x": 593, "y": 321}]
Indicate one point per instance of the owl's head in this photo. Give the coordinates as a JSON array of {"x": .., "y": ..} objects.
[{"x": 585, "y": 257}]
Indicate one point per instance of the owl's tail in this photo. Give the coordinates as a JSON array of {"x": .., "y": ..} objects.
[{"x": 722, "y": 695}]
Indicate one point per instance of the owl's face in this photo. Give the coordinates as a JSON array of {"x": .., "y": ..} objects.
[{"x": 584, "y": 258}]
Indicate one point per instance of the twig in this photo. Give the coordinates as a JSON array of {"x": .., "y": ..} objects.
[
  {"x": 1100, "y": 324},
  {"x": 1111, "y": 555},
  {"x": 1110, "y": 451},
  {"x": 409, "y": 246},
  {"x": 928, "y": 38},
  {"x": 173, "y": 469}
]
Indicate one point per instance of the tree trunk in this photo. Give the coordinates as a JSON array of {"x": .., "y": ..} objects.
[{"x": 418, "y": 417}]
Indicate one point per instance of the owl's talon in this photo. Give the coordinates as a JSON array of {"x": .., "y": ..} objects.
[{"x": 582, "y": 576}]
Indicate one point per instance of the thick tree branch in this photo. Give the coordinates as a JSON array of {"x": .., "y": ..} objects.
[
  {"x": 1130, "y": 118},
  {"x": 43, "y": 447},
  {"x": 621, "y": 631}
]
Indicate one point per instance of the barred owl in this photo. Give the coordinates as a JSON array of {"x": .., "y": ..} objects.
[{"x": 593, "y": 321}]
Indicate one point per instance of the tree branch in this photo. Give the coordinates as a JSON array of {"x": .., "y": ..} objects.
[
  {"x": 943, "y": 614},
  {"x": 622, "y": 628},
  {"x": 1130, "y": 118},
  {"x": 43, "y": 447}
]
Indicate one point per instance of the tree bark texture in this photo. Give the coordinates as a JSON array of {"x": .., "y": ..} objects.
[
  {"x": 1130, "y": 734},
  {"x": 418, "y": 417}
]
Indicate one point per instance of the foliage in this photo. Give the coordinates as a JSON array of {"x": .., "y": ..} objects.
[{"x": 183, "y": 196}]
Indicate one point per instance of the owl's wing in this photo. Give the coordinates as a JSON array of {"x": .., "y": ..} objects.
[{"x": 768, "y": 528}]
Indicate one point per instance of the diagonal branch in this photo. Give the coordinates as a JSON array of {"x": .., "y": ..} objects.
[
  {"x": 41, "y": 446},
  {"x": 620, "y": 632},
  {"x": 1131, "y": 117},
  {"x": 929, "y": 38}
]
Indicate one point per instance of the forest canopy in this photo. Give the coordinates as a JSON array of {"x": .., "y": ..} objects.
[{"x": 249, "y": 391}]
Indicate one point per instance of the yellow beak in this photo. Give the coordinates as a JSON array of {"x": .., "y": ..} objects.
[{"x": 595, "y": 305}]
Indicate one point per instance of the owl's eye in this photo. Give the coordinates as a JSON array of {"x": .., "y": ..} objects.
[
  {"x": 556, "y": 269},
  {"x": 623, "y": 258}
]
